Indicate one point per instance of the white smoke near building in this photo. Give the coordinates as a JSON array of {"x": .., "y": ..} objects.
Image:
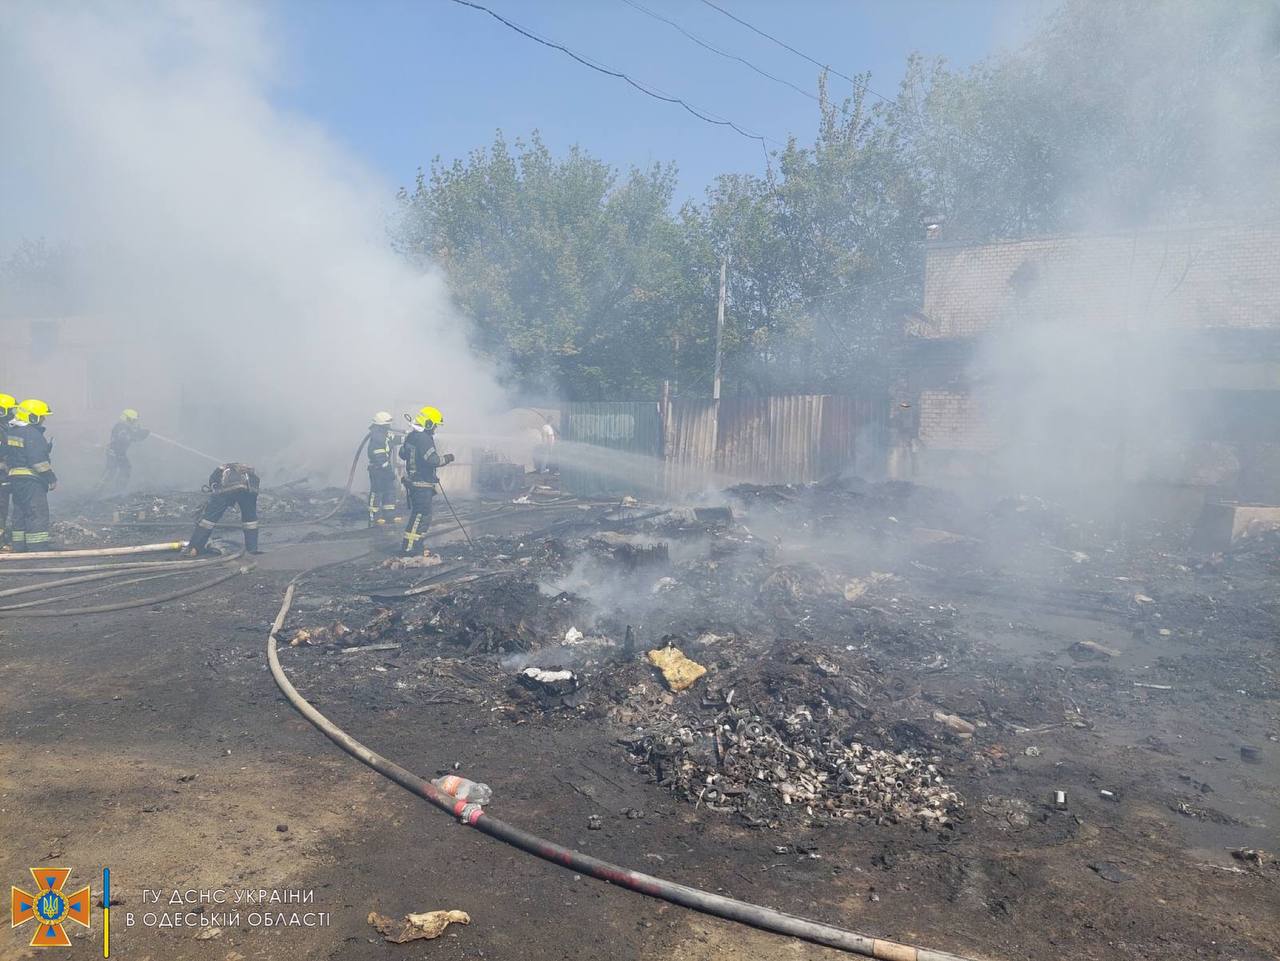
[{"x": 234, "y": 280}]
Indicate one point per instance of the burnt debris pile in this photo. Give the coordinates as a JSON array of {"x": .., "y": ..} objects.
[{"x": 826, "y": 655}]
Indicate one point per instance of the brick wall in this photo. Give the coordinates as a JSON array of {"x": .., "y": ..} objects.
[
  {"x": 1204, "y": 277},
  {"x": 953, "y": 421}
]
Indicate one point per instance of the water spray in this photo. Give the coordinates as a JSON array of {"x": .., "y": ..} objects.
[{"x": 190, "y": 450}]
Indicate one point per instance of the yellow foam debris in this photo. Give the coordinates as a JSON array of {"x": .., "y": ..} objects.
[
  {"x": 677, "y": 670},
  {"x": 414, "y": 927}
]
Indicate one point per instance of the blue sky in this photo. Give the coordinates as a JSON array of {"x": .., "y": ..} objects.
[{"x": 401, "y": 81}]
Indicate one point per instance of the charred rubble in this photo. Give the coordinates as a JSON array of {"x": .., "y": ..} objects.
[{"x": 872, "y": 654}]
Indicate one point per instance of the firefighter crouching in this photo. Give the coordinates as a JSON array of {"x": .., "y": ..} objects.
[
  {"x": 382, "y": 471},
  {"x": 31, "y": 475},
  {"x": 126, "y": 431},
  {"x": 7, "y": 403},
  {"x": 230, "y": 484},
  {"x": 421, "y": 461}
]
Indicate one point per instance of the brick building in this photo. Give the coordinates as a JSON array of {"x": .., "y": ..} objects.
[{"x": 1174, "y": 335}]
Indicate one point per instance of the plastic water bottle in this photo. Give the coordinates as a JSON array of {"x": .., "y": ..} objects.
[{"x": 464, "y": 789}]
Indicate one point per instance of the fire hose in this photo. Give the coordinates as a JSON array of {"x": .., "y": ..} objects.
[
  {"x": 108, "y": 566},
  {"x": 473, "y": 815},
  {"x": 95, "y": 552},
  {"x": 129, "y": 605},
  {"x": 176, "y": 567},
  {"x": 351, "y": 478},
  {"x": 115, "y": 584}
]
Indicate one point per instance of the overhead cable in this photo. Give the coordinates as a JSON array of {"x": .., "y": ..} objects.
[
  {"x": 716, "y": 50},
  {"x": 646, "y": 89}
]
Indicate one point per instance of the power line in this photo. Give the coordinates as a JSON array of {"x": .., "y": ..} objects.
[
  {"x": 608, "y": 71},
  {"x": 798, "y": 53},
  {"x": 716, "y": 50}
]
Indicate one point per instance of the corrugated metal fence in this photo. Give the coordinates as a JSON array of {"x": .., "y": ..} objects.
[
  {"x": 695, "y": 444},
  {"x": 606, "y": 448}
]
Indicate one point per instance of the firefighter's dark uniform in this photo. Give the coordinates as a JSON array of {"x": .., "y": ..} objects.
[
  {"x": 27, "y": 453},
  {"x": 230, "y": 484},
  {"x": 421, "y": 459},
  {"x": 382, "y": 475},
  {"x": 118, "y": 469}
]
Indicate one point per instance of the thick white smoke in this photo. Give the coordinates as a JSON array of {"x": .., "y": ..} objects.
[{"x": 234, "y": 257}]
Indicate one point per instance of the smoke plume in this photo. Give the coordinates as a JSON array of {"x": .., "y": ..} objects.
[{"x": 231, "y": 258}]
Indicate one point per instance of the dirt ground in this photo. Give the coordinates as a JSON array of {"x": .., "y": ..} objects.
[{"x": 154, "y": 742}]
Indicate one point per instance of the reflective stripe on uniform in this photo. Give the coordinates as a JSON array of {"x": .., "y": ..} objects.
[
  {"x": 250, "y": 525},
  {"x": 14, "y": 441},
  {"x": 42, "y": 467},
  {"x": 21, "y": 472},
  {"x": 37, "y": 537},
  {"x": 206, "y": 524}
]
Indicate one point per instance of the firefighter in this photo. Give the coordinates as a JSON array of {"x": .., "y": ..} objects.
[
  {"x": 543, "y": 461},
  {"x": 31, "y": 475},
  {"x": 228, "y": 484},
  {"x": 421, "y": 460},
  {"x": 7, "y": 403},
  {"x": 126, "y": 431},
  {"x": 382, "y": 471}
]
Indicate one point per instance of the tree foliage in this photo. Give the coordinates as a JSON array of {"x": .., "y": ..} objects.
[{"x": 589, "y": 284}]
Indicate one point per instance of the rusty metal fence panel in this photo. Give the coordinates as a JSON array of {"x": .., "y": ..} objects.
[
  {"x": 772, "y": 440},
  {"x": 697, "y": 444},
  {"x": 610, "y": 448},
  {"x": 689, "y": 446}
]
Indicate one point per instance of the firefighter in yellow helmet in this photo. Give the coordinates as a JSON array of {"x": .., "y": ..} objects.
[
  {"x": 31, "y": 476},
  {"x": 7, "y": 403},
  {"x": 421, "y": 460},
  {"x": 126, "y": 431}
]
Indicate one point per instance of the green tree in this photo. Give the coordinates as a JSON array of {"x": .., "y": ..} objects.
[
  {"x": 1115, "y": 113},
  {"x": 571, "y": 275},
  {"x": 823, "y": 251}
]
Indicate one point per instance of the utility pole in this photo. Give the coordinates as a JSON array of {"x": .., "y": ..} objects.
[{"x": 724, "y": 270}]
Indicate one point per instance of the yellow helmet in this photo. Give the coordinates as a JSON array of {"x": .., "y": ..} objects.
[
  {"x": 35, "y": 410},
  {"x": 428, "y": 418},
  {"x": 129, "y": 414},
  {"x": 7, "y": 403}
]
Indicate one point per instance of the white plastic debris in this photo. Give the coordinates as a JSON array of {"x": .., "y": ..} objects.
[
  {"x": 546, "y": 677},
  {"x": 573, "y": 636},
  {"x": 956, "y": 725}
]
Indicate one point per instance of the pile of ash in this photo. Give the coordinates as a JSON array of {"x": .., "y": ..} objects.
[{"x": 742, "y": 762}]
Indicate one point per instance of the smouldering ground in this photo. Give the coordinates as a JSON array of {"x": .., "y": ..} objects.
[{"x": 789, "y": 608}]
